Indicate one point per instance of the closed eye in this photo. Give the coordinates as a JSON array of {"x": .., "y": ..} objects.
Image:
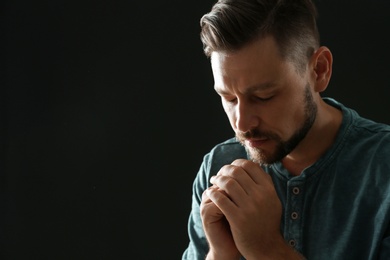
[
  {"x": 230, "y": 100},
  {"x": 263, "y": 99}
]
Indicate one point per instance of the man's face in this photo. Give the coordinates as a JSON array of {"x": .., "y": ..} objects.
[{"x": 269, "y": 104}]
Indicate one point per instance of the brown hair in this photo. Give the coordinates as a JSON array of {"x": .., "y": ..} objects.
[{"x": 231, "y": 24}]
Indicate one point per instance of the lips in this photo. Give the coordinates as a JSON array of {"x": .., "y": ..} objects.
[{"x": 256, "y": 143}]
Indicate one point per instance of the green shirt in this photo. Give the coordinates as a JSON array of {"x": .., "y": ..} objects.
[{"x": 338, "y": 208}]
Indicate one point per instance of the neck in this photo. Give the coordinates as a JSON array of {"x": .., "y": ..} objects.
[{"x": 317, "y": 141}]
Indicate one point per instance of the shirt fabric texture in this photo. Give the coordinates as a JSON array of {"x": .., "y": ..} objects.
[{"x": 338, "y": 208}]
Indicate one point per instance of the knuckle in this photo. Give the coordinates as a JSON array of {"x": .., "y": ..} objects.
[
  {"x": 246, "y": 164},
  {"x": 230, "y": 169},
  {"x": 230, "y": 183},
  {"x": 239, "y": 161},
  {"x": 225, "y": 168}
]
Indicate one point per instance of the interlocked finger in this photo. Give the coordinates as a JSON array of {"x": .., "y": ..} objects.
[{"x": 231, "y": 186}]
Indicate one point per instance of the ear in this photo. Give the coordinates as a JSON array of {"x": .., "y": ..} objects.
[{"x": 321, "y": 65}]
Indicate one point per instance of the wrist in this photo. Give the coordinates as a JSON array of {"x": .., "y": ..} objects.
[{"x": 213, "y": 255}]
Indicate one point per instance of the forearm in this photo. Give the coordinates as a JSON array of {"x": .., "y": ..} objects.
[
  {"x": 215, "y": 256},
  {"x": 281, "y": 256},
  {"x": 276, "y": 253}
]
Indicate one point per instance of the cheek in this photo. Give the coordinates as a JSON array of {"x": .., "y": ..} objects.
[
  {"x": 282, "y": 117},
  {"x": 291, "y": 118}
]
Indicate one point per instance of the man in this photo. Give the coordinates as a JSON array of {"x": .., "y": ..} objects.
[{"x": 305, "y": 177}]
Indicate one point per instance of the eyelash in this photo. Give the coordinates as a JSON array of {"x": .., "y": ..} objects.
[
  {"x": 264, "y": 99},
  {"x": 231, "y": 100},
  {"x": 255, "y": 98}
]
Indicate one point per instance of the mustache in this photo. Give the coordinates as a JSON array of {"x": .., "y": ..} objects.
[{"x": 255, "y": 133}]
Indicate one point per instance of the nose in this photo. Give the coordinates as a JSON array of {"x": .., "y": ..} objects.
[{"x": 246, "y": 117}]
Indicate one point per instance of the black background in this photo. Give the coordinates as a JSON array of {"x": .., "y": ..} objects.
[{"x": 107, "y": 108}]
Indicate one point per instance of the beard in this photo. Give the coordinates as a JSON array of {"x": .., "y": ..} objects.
[{"x": 283, "y": 148}]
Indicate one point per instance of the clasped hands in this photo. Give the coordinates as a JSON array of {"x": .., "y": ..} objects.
[{"x": 241, "y": 214}]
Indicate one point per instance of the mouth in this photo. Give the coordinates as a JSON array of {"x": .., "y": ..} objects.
[{"x": 256, "y": 142}]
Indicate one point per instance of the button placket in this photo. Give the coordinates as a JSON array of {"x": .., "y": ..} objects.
[
  {"x": 294, "y": 214},
  {"x": 294, "y": 208}
]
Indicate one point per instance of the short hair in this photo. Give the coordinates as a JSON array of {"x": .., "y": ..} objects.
[{"x": 232, "y": 24}]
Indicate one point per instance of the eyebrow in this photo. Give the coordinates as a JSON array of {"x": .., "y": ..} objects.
[{"x": 251, "y": 89}]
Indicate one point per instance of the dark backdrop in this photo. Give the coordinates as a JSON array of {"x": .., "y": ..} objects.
[{"x": 107, "y": 109}]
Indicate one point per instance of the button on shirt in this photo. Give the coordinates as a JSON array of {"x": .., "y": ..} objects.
[{"x": 338, "y": 208}]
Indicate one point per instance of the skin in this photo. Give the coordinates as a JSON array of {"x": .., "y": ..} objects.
[{"x": 261, "y": 91}]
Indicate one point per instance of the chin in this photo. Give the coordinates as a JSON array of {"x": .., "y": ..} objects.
[
  {"x": 263, "y": 157},
  {"x": 259, "y": 156}
]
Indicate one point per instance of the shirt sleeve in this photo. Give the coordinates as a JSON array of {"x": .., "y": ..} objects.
[
  {"x": 220, "y": 155},
  {"x": 198, "y": 247}
]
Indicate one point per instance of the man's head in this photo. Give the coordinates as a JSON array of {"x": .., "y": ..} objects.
[
  {"x": 231, "y": 24},
  {"x": 268, "y": 69}
]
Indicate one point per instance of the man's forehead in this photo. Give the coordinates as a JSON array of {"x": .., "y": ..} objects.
[{"x": 224, "y": 90}]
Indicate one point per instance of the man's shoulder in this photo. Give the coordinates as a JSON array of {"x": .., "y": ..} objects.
[
  {"x": 230, "y": 146},
  {"x": 226, "y": 152},
  {"x": 371, "y": 132}
]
